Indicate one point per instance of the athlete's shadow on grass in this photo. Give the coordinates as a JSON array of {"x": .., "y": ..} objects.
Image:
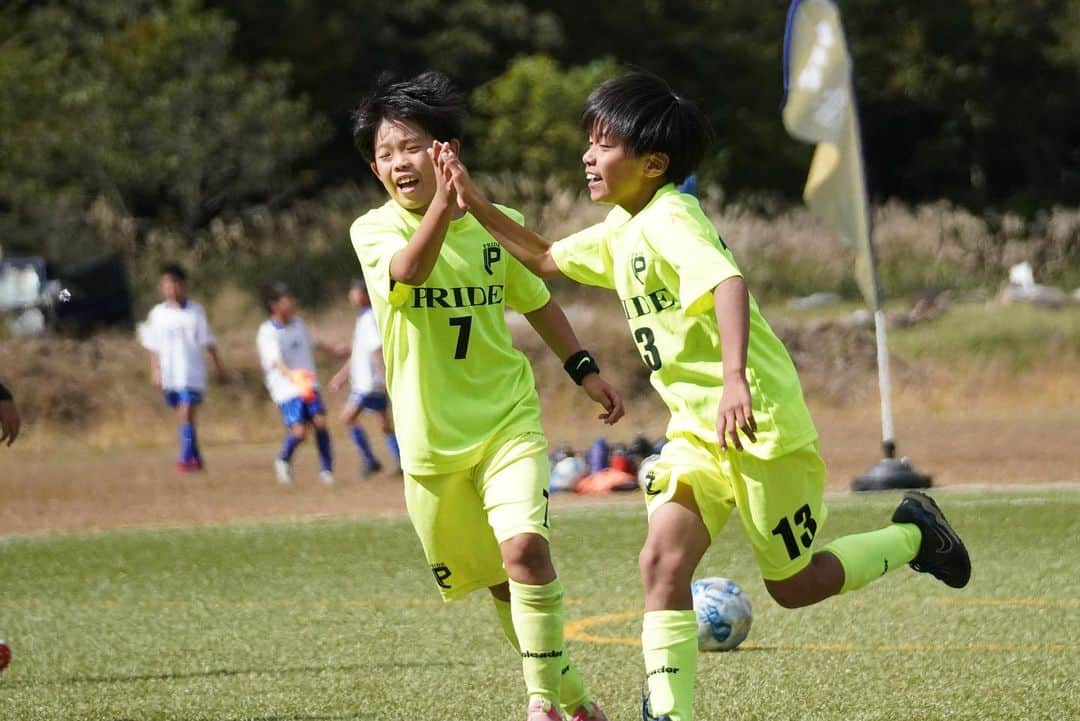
[{"x": 228, "y": 672}]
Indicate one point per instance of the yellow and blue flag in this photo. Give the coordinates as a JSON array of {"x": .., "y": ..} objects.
[{"x": 819, "y": 107}]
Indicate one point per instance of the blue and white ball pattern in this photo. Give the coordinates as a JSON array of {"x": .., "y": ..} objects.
[{"x": 723, "y": 613}]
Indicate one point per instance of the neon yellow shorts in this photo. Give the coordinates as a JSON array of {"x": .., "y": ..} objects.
[
  {"x": 462, "y": 517},
  {"x": 779, "y": 500}
]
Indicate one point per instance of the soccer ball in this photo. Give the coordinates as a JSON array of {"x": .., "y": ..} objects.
[
  {"x": 566, "y": 473},
  {"x": 723, "y": 613},
  {"x": 645, "y": 467}
]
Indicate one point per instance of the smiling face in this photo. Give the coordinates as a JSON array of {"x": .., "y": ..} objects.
[
  {"x": 614, "y": 175},
  {"x": 402, "y": 163}
]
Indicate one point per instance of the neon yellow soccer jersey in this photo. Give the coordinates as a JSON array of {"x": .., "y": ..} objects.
[
  {"x": 664, "y": 263},
  {"x": 455, "y": 379}
]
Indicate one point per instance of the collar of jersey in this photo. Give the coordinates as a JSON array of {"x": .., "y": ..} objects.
[
  {"x": 279, "y": 326},
  {"x": 619, "y": 216},
  {"x": 413, "y": 220}
]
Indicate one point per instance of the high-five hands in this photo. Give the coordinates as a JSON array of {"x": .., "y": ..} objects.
[
  {"x": 444, "y": 189},
  {"x": 454, "y": 174}
]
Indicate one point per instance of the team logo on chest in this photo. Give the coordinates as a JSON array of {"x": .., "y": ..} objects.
[
  {"x": 638, "y": 267},
  {"x": 492, "y": 255}
]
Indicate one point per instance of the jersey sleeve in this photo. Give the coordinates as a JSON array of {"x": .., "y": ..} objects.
[
  {"x": 698, "y": 257},
  {"x": 375, "y": 243},
  {"x": 269, "y": 348},
  {"x": 525, "y": 292},
  {"x": 585, "y": 256},
  {"x": 148, "y": 333}
]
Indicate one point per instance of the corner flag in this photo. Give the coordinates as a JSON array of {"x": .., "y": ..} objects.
[{"x": 820, "y": 108}]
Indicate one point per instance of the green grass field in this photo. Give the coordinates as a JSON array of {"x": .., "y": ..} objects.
[{"x": 340, "y": 620}]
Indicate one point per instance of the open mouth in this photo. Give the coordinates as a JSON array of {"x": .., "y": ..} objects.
[
  {"x": 592, "y": 180},
  {"x": 407, "y": 185}
]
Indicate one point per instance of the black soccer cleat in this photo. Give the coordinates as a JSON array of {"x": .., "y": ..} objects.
[
  {"x": 941, "y": 552},
  {"x": 645, "y": 714}
]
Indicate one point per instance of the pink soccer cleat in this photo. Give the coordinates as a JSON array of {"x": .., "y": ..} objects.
[{"x": 541, "y": 710}]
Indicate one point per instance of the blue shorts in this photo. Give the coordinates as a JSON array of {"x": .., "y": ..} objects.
[
  {"x": 373, "y": 401},
  {"x": 183, "y": 397},
  {"x": 297, "y": 410}
]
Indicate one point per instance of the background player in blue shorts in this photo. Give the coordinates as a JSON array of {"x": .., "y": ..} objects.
[
  {"x": 366, "y": 371},
  {"x": 286, "y": 352},
  {"x": 176, "y": 333}
]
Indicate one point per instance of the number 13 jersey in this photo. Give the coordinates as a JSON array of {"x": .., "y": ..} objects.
[
  {"x": 664, "y": 263},
  {"x": 456, "y": 381}
]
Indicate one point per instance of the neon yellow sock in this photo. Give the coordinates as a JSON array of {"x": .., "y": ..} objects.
[
  {"x": 537, "y": 613},
  {"x": 869, "y": 556},
  {"x": 572, "y": 692},
  {"x": 669, "y": 643}
]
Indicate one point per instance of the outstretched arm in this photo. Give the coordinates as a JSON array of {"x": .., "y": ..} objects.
[
  {"x": 338, "y": 381},
  {"x": 532, "y": 249},
  {"x": 551, "y": 324},
  {"x": 413, "y": 264}
]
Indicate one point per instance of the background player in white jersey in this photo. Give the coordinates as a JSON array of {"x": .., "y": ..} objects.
[
  {"x": 176, "y": 333},
  {"x": 366, "y": 372},
  {"x": 286, "y": 352}
]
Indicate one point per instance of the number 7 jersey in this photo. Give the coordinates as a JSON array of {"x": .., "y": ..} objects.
[
  {"x": 664, "y": 263},
  {"x": 456, "y": 381}
]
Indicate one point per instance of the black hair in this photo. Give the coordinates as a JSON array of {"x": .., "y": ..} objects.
[
  {"x": 643, "y": 112},
  {"x": 173, "y": 270},
  {"x": 430, "y": 100},
  {"x": 275, "y": 292}
]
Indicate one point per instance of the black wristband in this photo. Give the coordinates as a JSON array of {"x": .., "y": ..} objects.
[
  {"x": 5, "y": 394},
  {"x": 579, "y": 365}
]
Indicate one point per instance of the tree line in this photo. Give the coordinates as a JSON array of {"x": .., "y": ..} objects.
[{"x": 176, "y": 112}]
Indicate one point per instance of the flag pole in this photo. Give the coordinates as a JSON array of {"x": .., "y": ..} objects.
[
  {"x": 890, "y": 472},
  {"x": 820, "y": 107}
]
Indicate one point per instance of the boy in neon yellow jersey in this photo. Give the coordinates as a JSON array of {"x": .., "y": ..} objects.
[
  {"x": 465, "y": 405},
  {"x": 721, "y": 371}
]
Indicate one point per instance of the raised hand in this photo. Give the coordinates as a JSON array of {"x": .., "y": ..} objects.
[
  {"x": 444, "y": 189},
  {"x": 457, "y": 175}
]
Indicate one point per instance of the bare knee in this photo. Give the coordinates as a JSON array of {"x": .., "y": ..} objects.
[
  {"x": 185, "y": 413},
  {"x": 298, "y": 431},
  {"x": 665, "y": 569},
  {"x": 319, "y": 422},
  {"x": 822, "y": 578},
  {"x": 527, "y": 558}
]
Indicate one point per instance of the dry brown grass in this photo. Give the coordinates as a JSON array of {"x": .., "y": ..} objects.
[{"x": 97, "y": 392}]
